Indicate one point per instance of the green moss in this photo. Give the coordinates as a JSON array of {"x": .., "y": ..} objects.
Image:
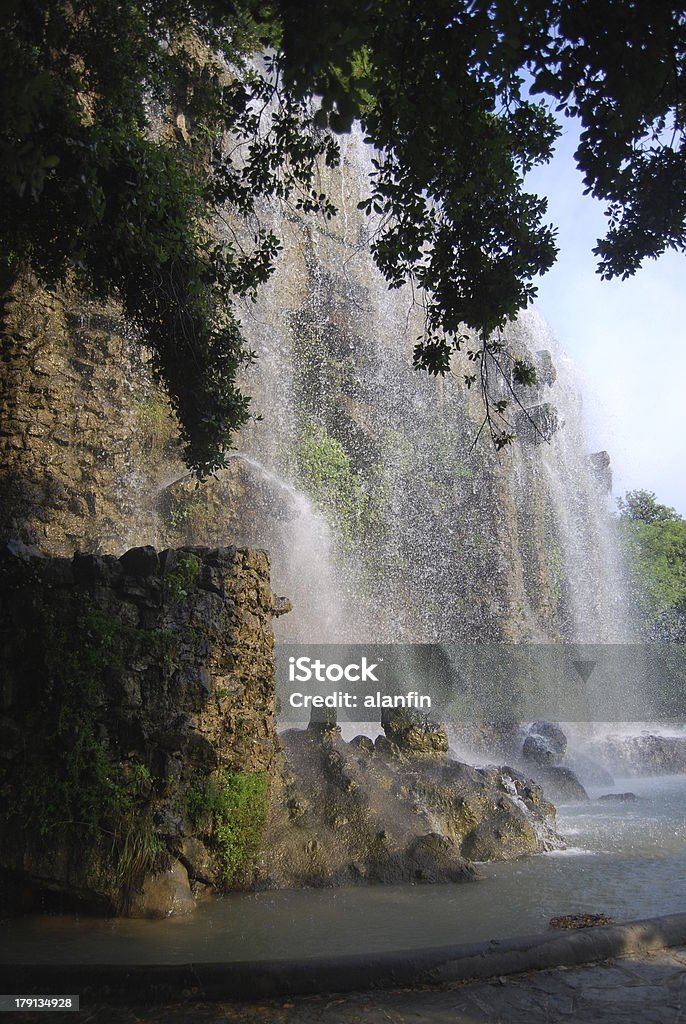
[
  {"x": 185, "y": 511},
  {"x": 231, "y": 810},
  {"x": 156, "y": 427},
  {"x": 323, "y": 469},
  {"x": 183, "y": 576}
]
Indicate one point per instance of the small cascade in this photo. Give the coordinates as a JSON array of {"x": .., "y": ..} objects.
[
  {"x": 586, "y": 548},
  {"x": 300, "y": 545}
]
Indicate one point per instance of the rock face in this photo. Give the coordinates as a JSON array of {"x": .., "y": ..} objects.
[
  {"x": 538, "y": 424},
  {"x": 133, "y": 690},
  {"x": 88, "y": 458},
  {"x": 80, "y": 416},
  {"x": 641, "y": 755},
  {"x": 358, "y": 811}
]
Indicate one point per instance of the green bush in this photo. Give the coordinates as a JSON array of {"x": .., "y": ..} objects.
[
  {"x": 183, "y": 576},
  {"x": 232, "y": 810}
]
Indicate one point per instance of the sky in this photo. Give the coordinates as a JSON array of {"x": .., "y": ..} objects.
[{"x": 627, "y": 339}]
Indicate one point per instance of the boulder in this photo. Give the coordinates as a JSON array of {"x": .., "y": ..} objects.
[
  {"x": 602, "y": 470},
  {"x": 560, "y": 784},
  {"x": 165, "y": 894},
  {"x": 434, "y": 858},
  {"x": 88, "y": 568},
  {"x": 554, "y": 736},
  {"x": 365, "y": 743},
  {"x": 393, "y": 817},
  {"x": 500, "y": 836},
  {"x": 413, "y": 733},
  {"x": 537, "y": 750},
  {"x": 141, "y": 562},
  {"x": 621, "y": 798},
  {"x": 197, "y": 860}
]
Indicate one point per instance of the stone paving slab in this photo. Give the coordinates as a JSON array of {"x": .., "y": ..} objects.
[{"x": 642, "y": 989}]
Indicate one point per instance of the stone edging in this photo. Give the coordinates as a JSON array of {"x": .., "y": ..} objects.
[{"x": 432, "y": 966}]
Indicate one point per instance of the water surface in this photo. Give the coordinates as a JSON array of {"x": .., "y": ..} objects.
[{"x": 627, "y": 860}]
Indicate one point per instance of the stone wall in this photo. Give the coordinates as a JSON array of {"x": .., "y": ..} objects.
[
  {"x": 134, "y": 691},
  {"x": 80, "y": 413}
]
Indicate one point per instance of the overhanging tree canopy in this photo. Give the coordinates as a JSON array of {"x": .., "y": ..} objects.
[{"x": 114, "y": 158}]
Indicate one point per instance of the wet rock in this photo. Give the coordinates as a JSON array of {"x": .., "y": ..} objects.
[
  {"x": 647, "y": 754},
  {"x": 560, "y": 784},
  {"x": 537, "y": 424},
  {"x": 544, "y": 747},
  {"x": 537, "y": 750},
  {"x": 141, "y": 562},
  {"x": 384, "y": 746},
  {"x": 323, "y": 724},
  {"x": 553, "y": 735},
  {"x": 392, "y": 817},
  {"x": 621, "y": 798},
  {"x": 413, "y": 733},
  {"x": 434, "y": 858},
  {"x": 545, "y": 367},
  {"x": 500, "y": 836},
  {"x": 165, "y": 894},
  {"x": 197, "y": 860},
  {"x": 602, "y": 470},
  {"x": 280, "y": 606},
  {"x": 365, "y": 743}
]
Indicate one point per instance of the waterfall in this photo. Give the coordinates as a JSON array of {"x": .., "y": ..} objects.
[{"x": 401, "y": 525}]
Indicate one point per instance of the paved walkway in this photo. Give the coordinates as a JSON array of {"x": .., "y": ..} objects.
[{"x": 646, "y": 989}]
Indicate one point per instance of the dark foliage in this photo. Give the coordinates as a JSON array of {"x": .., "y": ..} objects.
[{"x": 128, "y": 129}]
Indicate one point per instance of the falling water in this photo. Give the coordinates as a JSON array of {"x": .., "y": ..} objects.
[{"x": 456, "y": 541}]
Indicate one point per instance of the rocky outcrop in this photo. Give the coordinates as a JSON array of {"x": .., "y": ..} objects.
[
  {"x": 536, "y": 424},
  {"x": 602, "y": 470},
  {"x": 641, "y": 755},
  {"x": 373, "y": 812},
  {"x": 543, "y": 754},
  {"x": 137, "y": 709},
  {"x": 411, "y": 734}
]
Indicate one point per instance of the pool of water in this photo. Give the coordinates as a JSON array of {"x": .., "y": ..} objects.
[{"x": 627, "y": 860}]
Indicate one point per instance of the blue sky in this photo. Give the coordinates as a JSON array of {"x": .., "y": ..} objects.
[{"x": 627, "y": 338}]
